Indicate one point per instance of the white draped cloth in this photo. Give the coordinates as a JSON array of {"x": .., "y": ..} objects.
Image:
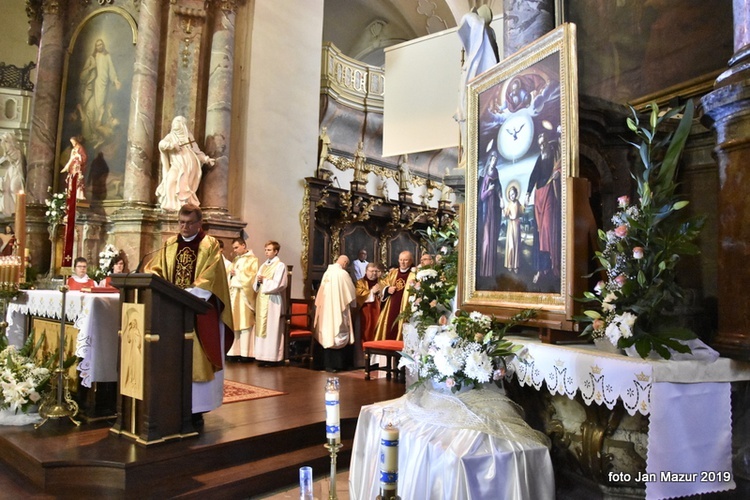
[
  {"x": 95, "y": 315},
  {"x": 474, "y": 445}
]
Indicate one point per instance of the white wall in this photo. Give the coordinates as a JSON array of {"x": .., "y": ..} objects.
[
  {"x": 275, "y": 121},
  {"x": 13, "y": 46}
]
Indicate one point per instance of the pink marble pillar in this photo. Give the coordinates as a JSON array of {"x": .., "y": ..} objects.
[
  {"x": 727, "y": 111},
  {"x": 139, "y": 163},
  {"x": 214, "y": 189},
  {"x": 538, "y": 20},
  {"x": 43, "y": 135}
]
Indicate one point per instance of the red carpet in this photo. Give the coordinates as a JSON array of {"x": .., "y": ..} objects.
[{"x": 236, "y": 391}]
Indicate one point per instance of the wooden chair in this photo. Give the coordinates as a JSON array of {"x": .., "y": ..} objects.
[
  {"x": 300, "y": 331},
  {"x": 390, "y": 349}
]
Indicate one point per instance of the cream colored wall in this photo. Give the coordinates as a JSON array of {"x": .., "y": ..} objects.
[
  {"x": 13, "y": 46},
  {"x": 275, "y": 121}
]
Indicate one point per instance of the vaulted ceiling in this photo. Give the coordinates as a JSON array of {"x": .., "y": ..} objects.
[{"x": 363, "y": 28}]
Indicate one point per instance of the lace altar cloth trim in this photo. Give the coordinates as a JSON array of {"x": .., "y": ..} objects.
[
  {"x": 48, "y": 304},
  {"x": 603, "y": 378}
]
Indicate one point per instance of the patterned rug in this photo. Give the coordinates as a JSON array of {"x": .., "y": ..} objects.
[{"x": 236, "y": 391}]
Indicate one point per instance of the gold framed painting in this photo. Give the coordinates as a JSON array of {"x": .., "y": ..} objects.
[{"x": 517, "y": 230}]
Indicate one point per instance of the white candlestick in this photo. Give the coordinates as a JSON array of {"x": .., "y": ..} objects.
[
  {"x": 389, "y": 437},
  {"x": 333, "y": 422}
]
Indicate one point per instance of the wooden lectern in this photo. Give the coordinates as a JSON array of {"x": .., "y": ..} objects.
[{"x": 168, "y": 333}]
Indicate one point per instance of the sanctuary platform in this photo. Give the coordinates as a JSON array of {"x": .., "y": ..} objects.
[{"x": 246, "y": 449}]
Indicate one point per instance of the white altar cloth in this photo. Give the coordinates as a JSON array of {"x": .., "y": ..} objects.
[
  {"x": 690, "y": 427},
  {"x": 442, "y": 460},
  {"x": 95, "y": 315}
]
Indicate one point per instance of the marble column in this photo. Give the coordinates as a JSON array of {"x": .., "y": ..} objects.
[
  {"x": 214, "y": 190},
  {"x": 139, "y": 162},
  {"x": 538, "y": 20},
  {"x": 727, "y": 111},
  {"x": 43, "y": 135}
]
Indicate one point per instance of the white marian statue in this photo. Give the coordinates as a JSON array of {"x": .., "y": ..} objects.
[
  {"x": 13, "y": 180},
  {"x": 181, "y": 161}
]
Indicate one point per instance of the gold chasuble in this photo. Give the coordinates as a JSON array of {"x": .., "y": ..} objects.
[
  {"x": 388, "y": 327},
  {"x": 198, "y": 264}
]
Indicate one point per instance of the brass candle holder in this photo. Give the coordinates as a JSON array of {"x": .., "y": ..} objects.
[
  {"x": 58, "y": 403},
  {"x": 333, "y": 448}
]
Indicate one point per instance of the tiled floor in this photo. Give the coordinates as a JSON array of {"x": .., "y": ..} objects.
[{"x": 320, "y": 488}]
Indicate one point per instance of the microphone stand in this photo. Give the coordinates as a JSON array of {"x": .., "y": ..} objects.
[{"x": 61, "y": 404}]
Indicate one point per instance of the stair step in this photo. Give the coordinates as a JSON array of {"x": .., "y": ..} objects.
[{"x": 254, "y": 478}]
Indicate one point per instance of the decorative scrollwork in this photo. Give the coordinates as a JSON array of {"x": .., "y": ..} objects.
[{"x": 304, "y": 222}]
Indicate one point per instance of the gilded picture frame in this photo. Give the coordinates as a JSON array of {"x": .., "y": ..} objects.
[
  {"x": 95, "y": 100},
  {"x": 517, "y": 232}
]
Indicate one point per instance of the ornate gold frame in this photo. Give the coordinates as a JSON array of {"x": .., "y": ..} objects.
[{"x": 555, "y": 309}]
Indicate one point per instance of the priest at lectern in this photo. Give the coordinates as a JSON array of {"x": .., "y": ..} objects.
[{"x": 193, "y": 261}]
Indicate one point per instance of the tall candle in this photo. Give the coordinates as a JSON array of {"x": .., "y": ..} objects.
[
  {"x": 389, "y": 436},
  {"x": 20, "y": 228},
  {"x": 333, "y": 422},
  {"x": 70, "y": 230}
]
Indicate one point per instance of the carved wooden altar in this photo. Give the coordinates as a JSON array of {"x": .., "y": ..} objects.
[{"x": 343, "y": 221}]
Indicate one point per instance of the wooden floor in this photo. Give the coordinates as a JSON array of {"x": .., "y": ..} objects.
[{"x": 246, "y": 449}]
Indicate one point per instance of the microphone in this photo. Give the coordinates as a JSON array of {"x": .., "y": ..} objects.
[
  {"x": 138, "y": 269},
  {"x": 336, "y": 179}
]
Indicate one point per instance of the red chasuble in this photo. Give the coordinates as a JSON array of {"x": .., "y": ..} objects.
[
  {"x": 392, "y": 324},
  {"x": 369, "y": 311}
]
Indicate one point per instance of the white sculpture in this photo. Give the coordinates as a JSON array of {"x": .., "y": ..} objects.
[
  {"x": 404, "y": 178},
  {"x": 181, "y": 161},
  {"x": 13, "y": 180}
]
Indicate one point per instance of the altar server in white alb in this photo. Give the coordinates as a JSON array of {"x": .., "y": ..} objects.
[
  {"x": 333, "y": 317},
  {"x": 270, "y": 284},
  {"x": 242, "y": 274}
]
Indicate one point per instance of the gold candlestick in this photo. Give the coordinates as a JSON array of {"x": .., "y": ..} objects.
[{"x": 60, "y": 405}]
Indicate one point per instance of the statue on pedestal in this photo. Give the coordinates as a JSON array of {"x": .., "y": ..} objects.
[
  {"x": 324, "y": 143},
  {"x": 181, "y": 161},
  {"x": 15, "y": 175},
  {"x": 75, "y": 168},
  {"x": 404, "y": 178},
  {"x": 360, "y": 170}
]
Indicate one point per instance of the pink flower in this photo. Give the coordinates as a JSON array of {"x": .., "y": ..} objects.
[
  {"x": 598, "y": 324},
  {"x": 443, "y": 320},
  {"x": 433, "y": 303},
  {"x": 621, "y": 231},
  {"x": 449, "y": 382},
  {"x": 623, "y": 201},
  {"x": 638, "y": 253},
  {"x": 599, "y": 287},
  {"x": 621, "y": 279}
]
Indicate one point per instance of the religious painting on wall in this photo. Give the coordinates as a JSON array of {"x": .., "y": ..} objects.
[
  {"x": 629, "y": 49},
  {"x": 97, "y": 82},
  {"x": 522, "y": 151}
]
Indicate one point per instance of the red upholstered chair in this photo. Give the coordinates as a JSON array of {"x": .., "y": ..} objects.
[
  {"x": 390, "y": 349},
  {"x": 299, "y": 328}
]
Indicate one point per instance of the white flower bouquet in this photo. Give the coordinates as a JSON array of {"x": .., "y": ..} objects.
[
  {"x": 469, "y": 351},
  {"x": 23, "y": 380}
]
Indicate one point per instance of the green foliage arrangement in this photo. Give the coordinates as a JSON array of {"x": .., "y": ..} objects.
[{"x": 633, "y": 304}]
